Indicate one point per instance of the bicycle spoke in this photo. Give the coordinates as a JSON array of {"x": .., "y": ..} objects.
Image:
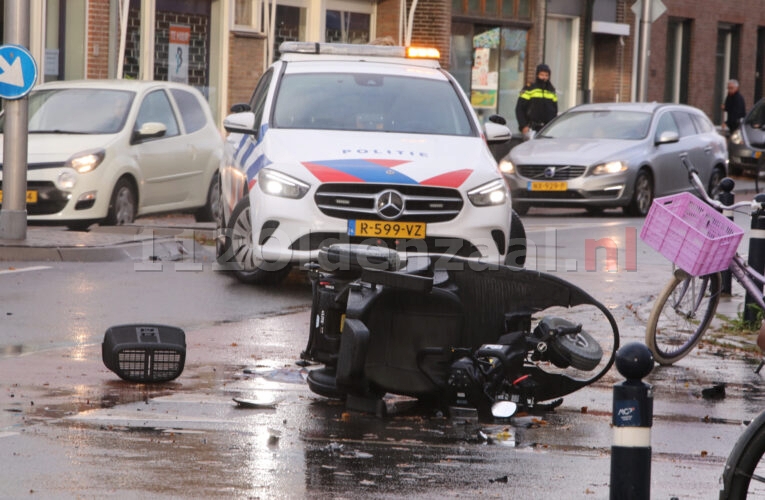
[{"x": 681, "y": 316}]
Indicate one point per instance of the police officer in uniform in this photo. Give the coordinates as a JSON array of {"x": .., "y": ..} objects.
[{"x": 538, "y": 102}]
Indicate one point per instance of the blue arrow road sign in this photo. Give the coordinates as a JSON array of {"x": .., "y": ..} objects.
[{"x": 18, "y": 71}]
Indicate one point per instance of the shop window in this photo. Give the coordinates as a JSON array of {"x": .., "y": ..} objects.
[
  {"x": 678, "y": 59},
  {"x": 523, "y": 9},
  {"x": 290, "y": 26},
  {"x": 515, "y": 9},
  {"x": 489, "y": 63},
  {"x": 490, "y": 7},
  {"x": 246, "y": 15},
  {"x": 347, "y": 27},
  {"x": 728, "y": 47}
]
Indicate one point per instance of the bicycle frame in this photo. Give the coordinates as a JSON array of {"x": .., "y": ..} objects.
[{"x": 748, "y": 278}]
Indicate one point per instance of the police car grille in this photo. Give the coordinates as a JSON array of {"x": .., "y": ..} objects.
[
  {"x": 357, "y": 201},
  {"x": 562, "y": 172}
]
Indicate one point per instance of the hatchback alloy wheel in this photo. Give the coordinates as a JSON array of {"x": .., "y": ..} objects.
[{"x": 122, "y": 208}]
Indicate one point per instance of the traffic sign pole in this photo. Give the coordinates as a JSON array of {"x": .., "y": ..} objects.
[{"x": 19, "y": 73}]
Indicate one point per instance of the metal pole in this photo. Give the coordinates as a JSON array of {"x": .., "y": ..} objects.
[
  {"x": 645, "y": 48},
  {"x": 13, "y": 215},
  {"x": 586, "y": 91},
  {"x": 124, "y": 11},
  {"x": 727, "y": 197},
  {"x": 756, "y": 257}
]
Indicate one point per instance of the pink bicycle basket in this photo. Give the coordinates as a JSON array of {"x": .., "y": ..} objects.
[{"x": 690, "y": 233}]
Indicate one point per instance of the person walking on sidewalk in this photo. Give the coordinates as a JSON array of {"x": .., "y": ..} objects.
[
  {"x": 538, "y": 102},
  {"x": 734, "y": 106}
]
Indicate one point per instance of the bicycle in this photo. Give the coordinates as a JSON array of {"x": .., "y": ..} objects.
[
  {"x": 743, "y": 464},
  {"x": 687, "y": 304}
]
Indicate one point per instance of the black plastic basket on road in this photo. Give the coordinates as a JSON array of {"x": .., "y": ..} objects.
[{"x": 144, "y": 353}]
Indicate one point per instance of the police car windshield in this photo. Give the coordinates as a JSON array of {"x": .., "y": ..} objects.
[
  {"x": 369, "y": 102},
  {"x": 599, "y": 124}
]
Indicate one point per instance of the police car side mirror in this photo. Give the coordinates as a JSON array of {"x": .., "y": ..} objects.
[
  {"x": 496, "y": 133},
  {"x": 240, "y": 107},
  {"x": 500, "y": 120},
  {"x": 240, "y": 123}
]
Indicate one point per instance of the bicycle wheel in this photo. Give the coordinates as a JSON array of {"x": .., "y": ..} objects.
[
  {"x": 681, "y": 315},
  {"x": 744, "y": 472}
]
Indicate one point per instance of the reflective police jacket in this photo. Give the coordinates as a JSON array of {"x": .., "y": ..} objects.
[{"x": 537, "y": 105}]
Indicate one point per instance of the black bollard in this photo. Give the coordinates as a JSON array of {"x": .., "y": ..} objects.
[
  {"x": 756, "y": 256},
  {"x": 727, "y": 197},
  {"x": 632, "y": 420}
]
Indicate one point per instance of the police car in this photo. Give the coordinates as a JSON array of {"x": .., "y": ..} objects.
[{"x": 361, "y": 144}]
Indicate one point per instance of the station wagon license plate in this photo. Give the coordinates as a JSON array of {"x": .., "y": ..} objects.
[
  {"x": 31, "y": 196},
  {"x": 386, "y": 229},
  {"x": 547, "y": 186}
]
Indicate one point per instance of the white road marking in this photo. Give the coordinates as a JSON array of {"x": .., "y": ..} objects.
[{"x": 24, "y": 269}]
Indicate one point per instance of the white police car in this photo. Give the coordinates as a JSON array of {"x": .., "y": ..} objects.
[{"x": 362, "y": 144}]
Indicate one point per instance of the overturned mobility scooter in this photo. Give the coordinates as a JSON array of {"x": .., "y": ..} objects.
[{"x": 448, "y": 331}]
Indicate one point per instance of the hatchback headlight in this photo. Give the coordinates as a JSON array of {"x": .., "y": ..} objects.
[
  {"x": 86, "y": 161},
  {"x": 279, "y": 184},
  {"x": 506, "y": 166},
  {"x": 491, "y": 193},
  {"x": 736, "y": 137},
  {"x": 611, "y": 167},
  {"x": 66, "y": 180}
]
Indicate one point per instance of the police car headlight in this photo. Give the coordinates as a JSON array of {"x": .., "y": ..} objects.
[
  {"x": 491, "y": 193},
  {"x": 612, "y": 167},
  {"x": 279, "y": 184},
  {"x": 736, "y": 138}
]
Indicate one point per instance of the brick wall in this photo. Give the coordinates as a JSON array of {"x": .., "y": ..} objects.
[
  {"x": 705, "y": 16},
  {"x": 431, "y": 27},
  {"x": 98, "y": 39},
  {"x": 245, "y": 66},
  {"x": 388, "y": 18},
  {"x": 535, "y": 40}
]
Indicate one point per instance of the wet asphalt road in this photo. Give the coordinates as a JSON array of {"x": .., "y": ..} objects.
[{"x": 69, "y": 428}]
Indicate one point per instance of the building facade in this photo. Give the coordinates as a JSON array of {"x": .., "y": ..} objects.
[{"x": 492, "y": 47}]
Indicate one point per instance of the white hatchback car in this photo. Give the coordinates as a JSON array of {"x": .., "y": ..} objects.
[
  {"x": 359, "y": 144},
  {"x": 110, "y": 150}
]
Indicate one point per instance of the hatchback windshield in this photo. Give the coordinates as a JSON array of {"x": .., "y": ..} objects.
[
  {"x": 78, "y": 111},
  {"x": 370, "y": 102},
  {"x": 600, "y": 124}
]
